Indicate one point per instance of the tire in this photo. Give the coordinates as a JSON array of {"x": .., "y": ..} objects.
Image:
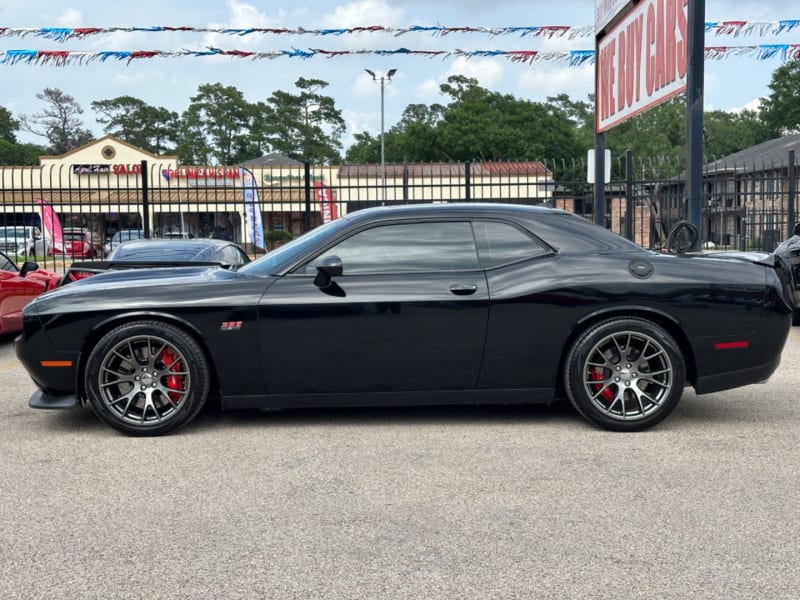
[
  {"x": 147, "y": 378},
  {"x": 624, "y": 374}
]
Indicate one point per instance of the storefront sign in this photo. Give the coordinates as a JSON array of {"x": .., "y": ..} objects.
[
  {"x": 91, "y": 169},
  {"x": 281, "y": 180},
  {"x": 105, "y": 169},
  {"x": 201, "y": 173}
]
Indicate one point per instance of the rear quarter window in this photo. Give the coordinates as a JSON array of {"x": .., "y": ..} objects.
[{"x": 502, "y": 243}]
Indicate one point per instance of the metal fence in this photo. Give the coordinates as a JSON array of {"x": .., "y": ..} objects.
[{"x": 745, "y": 205}]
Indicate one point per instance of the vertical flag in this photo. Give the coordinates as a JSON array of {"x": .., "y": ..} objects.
[
  {"x": 252, "y": 208},
  {"x": 327, "y": 205},
  {"x": 51, "y": 225}
]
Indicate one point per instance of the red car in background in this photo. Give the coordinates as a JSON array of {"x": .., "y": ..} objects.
[
  {"x": 18, "y": 287},
  {"x": 80, "y": 243}
]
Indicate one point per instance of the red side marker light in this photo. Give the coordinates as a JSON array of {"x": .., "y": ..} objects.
[{"x": 730, "y": 345}]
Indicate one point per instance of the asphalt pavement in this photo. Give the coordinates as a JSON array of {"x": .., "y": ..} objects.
[{"x": 454, "y": 502}]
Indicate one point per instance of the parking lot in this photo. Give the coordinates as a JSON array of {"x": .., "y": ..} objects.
[{"x": 455, "y": 502}]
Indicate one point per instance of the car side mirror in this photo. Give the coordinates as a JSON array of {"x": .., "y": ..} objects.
[
  {"x": 331, "y": 266},
  {"x": 796, "y": 229},
  {"x": 27, "y": 267}
]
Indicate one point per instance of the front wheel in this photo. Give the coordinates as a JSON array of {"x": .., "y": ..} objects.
[
  {"x": 147, "y": 378},
  {"x": 624, "y": 374}
]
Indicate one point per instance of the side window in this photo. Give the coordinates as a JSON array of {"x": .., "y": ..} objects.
[
  {"x": 232, "y": 255},
  {"x": 407, "y": 247},
  {"x": 501, "y": 243}
]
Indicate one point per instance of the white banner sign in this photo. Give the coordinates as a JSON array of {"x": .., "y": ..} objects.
[{"x": 642, "y": 61}]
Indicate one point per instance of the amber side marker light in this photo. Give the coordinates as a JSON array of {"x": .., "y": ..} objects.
[
  {"x": 56, "y": 363},
  {"x": 730, "y": 345}
]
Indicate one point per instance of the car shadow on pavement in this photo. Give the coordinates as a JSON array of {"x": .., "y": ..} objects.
[{"x": 213, "y": 416}]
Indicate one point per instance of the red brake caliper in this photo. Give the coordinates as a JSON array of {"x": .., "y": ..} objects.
[
  {"x": 596, "y": 374},
  {"x": 174, "y": 382}
]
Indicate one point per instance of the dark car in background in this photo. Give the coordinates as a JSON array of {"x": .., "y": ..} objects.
[
  {"x": 123, "y": 235},
  {"x": 139, "y": 254},
  {"x": 425, "y": 304}
]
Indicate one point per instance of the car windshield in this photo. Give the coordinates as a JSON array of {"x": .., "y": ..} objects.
[
  {"x": 11, "y": 232},
  {"x": 157, "y": 252},
  {"x": 7, "y": 265},
  {"x": 126, "y": 234},
  {"x": 290, "y": 252}
]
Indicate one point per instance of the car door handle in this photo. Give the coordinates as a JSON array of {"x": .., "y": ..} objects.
[{"x": 463, "y": 290}]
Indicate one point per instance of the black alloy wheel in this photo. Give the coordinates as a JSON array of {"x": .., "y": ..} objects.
[
  {"x": 147, "y": 378},
  {"x": 625, "y": 374}
]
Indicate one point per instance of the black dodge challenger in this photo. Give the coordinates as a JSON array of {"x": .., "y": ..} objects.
[{"x": 426, "y": 304}]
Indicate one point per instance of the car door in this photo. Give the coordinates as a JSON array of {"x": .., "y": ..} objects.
[{"x": 408, "y": 313}]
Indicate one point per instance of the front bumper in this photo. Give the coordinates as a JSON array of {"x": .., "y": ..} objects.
[{"x": 41, "y": 399}]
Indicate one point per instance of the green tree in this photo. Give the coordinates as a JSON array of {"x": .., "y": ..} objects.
[
  {"x": 257, "y": 142},
  {"x": 8, "y": 126},
  {"x": 59, "y": 122},
  {"x": 480, "y": 124},
  {"x": 214, "y": 126},
  {"x": 154, "y": 129},
  {"x": 780, "y": 111},
  {"x": 729, "y": 132},
  {"x": 306, "y": 125},
  {"x": 12, "y": 153}
]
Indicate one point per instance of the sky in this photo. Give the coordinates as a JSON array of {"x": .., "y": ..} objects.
[{"x": 732, "y": 83}]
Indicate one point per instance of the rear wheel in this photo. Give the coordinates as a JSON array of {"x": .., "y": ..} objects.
[
  {"x": 147, "y": 378},
  {"x": 625, "y": 374}
]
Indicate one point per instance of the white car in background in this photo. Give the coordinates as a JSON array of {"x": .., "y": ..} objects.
[{"x": 22, "y": 241}]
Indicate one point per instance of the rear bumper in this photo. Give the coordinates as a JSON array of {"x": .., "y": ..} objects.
[
  {"x": 733, "y": 379},
  {"x": 41, "y": 399}
]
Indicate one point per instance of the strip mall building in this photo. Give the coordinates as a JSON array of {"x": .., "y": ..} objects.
[{"x": 108, "y": 185}]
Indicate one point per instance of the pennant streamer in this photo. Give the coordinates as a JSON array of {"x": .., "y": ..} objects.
[
  {"x": 64, "y": 34},
  {"x": 573, "y": 58}
]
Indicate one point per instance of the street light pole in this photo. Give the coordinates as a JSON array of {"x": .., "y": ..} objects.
[{"x": 382, "y": 80}]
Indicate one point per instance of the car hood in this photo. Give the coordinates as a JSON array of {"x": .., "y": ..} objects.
[
  {"x": 155, "y": 276},
  {"x": 148, "y": 289}
]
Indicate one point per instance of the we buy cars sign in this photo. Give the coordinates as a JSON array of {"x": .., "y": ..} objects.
[{"x": 642, "y": 61}]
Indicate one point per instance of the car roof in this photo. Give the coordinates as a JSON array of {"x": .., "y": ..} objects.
[{"x": 472, "y": 209}]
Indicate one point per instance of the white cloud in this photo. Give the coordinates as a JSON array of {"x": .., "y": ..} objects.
[
  {"x": 428, "y": 92},
  {"x": 487, "y": 71},
  {"x": 243, "y": 15},
  {"x": 363, "y": 13},
  {"x": 543, "y": 80},
  {"x": 71, "y": 17},
  {"x": 754, "y": 105}
]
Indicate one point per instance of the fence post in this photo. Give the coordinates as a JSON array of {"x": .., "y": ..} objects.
[
  {"x": 145, "y": 201},
  {"x": 307, "y": 215},
  {"x": 467, "y": 183},
  {"x": 629, "y": 195},
  {"x": 792, "y": 193},
  {"x": 405, "y": 182}
]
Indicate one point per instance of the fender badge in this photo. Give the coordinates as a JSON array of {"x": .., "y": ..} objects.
[{"x": 231, "y": 326}]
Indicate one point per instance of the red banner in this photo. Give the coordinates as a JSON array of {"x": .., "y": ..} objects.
[
  {"x": 327, "y": 205},
  {"x": 51, "y": 225}
]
